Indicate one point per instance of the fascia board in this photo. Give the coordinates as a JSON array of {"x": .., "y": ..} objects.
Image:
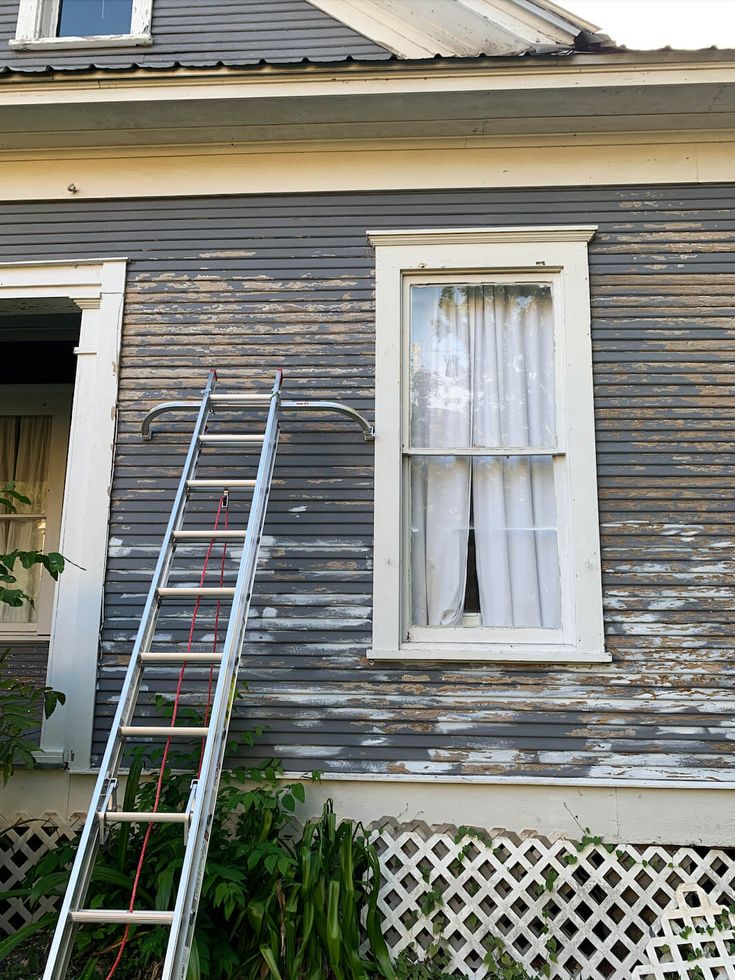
[{"x": 498, "y": 76}]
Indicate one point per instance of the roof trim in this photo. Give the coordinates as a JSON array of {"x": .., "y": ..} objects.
[{"x": 465, "y": 28}]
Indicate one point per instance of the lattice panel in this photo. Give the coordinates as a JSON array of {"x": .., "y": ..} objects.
[
  {"x": 697, "y": 940},
  {"x": 21, "y": 845},
  {"x": 561, "y": 911}
]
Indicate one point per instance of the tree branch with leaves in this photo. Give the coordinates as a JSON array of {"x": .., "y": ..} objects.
[{"x": 21, "y": 703}]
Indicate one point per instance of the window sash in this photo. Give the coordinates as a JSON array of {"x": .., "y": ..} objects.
[
  {"x": 53, "y": 400},
  {"x": 38, "y": 21},
  {"x": 440, "y": 635}
]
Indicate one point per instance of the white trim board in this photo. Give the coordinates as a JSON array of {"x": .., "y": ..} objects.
[
  {"x": 97, "y": 288},
  {"x": 667, "y": 814},
  {"x": 421, "y": 29},
  {"x": 391, "y": 165}
]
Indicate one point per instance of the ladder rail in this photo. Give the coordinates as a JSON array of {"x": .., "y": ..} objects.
[
  {"x": 192, "y": 872},
  {"x": 79, "y": 879}
]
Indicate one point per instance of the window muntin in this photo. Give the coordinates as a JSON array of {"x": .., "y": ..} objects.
[
  {"x": 85, "y": 18},
  {"x": 479, "y": 462}
]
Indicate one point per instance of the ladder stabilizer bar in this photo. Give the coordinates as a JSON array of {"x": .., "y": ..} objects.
[{"x": 237, "y": 401}]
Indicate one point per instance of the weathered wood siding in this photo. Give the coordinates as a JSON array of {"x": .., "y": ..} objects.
[
  {"x": 193, "y": 33},
  {"x": 251, "y": 283}
]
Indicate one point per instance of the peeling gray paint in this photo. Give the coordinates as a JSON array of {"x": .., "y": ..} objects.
[{"x": 209, "y": 284}]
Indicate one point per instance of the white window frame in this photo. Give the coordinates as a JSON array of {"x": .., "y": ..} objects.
[
  {"x": 53, "y": 400},
  {"x": 37, "y": 20},
  {"x": 555, "y": 255},
  {"x": 97, "y": 287}
]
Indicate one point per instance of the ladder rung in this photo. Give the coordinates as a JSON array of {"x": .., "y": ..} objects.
[
  {"x": 158, "y": 731},
  {"x": 220, "y": 484},
  {"x": 131, "y": 816},
  {"x": 209, "y": 535},
  {"x": 231, "y": 440},
  {"x": 122, "y": 916},
  {"x": 239, "y": 399},
  {"x": 153, "y": 657},
  {"x": 185, "y": 592}
]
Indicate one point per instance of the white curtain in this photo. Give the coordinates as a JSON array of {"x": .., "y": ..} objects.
[
  {"x": 24, "y": 453},
  {"x": 482, "y": 376}
]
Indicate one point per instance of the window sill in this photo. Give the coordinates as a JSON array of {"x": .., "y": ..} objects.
[
  {"x": 63, "y": 43},
  {"x": 506, "y": 653},
  {"x": 23, "y": 636}
]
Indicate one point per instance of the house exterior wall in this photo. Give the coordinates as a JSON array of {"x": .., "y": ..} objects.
[
  {"x": 248, "y": 284},
  {"x": 192, "y": 33}
]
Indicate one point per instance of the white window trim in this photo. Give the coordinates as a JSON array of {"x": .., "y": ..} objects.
[
  {"x": 53, "y": 400},
  {"x": 550, "y": 254},
  {"x": 37, "y": 20},
  {"x": 97, "y": 287}
]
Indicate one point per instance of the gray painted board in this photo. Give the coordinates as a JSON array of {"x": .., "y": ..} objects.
[
  {"x": 196, "y": 34},
  {"x": 250, "y": 283}
]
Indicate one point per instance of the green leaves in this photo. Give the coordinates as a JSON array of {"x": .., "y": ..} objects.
[
  {"x": 21, "y": 707},
  {"x": 279, "y": 901},
  {"x": 9, "y": 497}
]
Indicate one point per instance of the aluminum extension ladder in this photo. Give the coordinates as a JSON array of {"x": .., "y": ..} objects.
[{"x": 202, "y": 800}]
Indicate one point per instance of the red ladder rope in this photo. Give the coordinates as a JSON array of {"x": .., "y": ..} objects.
[{"x": 223, "y": 506}]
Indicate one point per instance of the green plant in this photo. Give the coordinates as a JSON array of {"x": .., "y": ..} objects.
[
  {"x": 21, "y": 703},
  {"x": 21, "y": 706},
  {"x": 500, "y": 963},
  {"x": 277, "y": 902},
  {"x": 53, "y": 562},
  {"x": 434, "y": 965}
]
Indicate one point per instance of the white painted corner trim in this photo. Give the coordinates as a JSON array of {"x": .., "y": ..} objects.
[
  {"x": 554, "y": 254},
  {"x": 97, "y": 287},
  {"x": 37, "y": 24},
  {"x": 464, "y": 28}
]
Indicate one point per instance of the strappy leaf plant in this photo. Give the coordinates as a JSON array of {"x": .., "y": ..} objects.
[{"x": 279, "y": 901}]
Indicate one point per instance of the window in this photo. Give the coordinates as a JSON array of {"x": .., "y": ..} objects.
[
  {"x": 486, "y": 535},
  {"x": 82, "y": 23},
  {"x": 34, "y": 427}
]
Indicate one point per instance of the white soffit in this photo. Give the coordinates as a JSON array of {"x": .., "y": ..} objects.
[{"x": 460, "y": 28}]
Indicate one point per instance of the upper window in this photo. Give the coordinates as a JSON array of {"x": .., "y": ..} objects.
[
  {"x": 79, "y": 23},
  {"x": 486, "y": 512}
]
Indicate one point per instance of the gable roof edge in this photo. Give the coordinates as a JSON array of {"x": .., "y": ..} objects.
[
  {"x": 396, "y": 34},
  {"x": 464, "y": 28}
]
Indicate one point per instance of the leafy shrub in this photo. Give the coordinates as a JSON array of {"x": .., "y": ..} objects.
[
  {"x": 277, "y": 901},
  {"x": 21, "y": 706}
]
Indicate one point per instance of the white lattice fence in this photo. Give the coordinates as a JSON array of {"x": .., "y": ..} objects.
[
  {"x": 696, "y": 939},
  {"x": 21, "y": 845},
  {"x": 561, "y": 911}
]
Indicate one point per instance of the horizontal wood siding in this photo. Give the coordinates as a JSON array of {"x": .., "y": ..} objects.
[
  {"x": 195, "y": 33},
  {"x": 248, "y": 284}
]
